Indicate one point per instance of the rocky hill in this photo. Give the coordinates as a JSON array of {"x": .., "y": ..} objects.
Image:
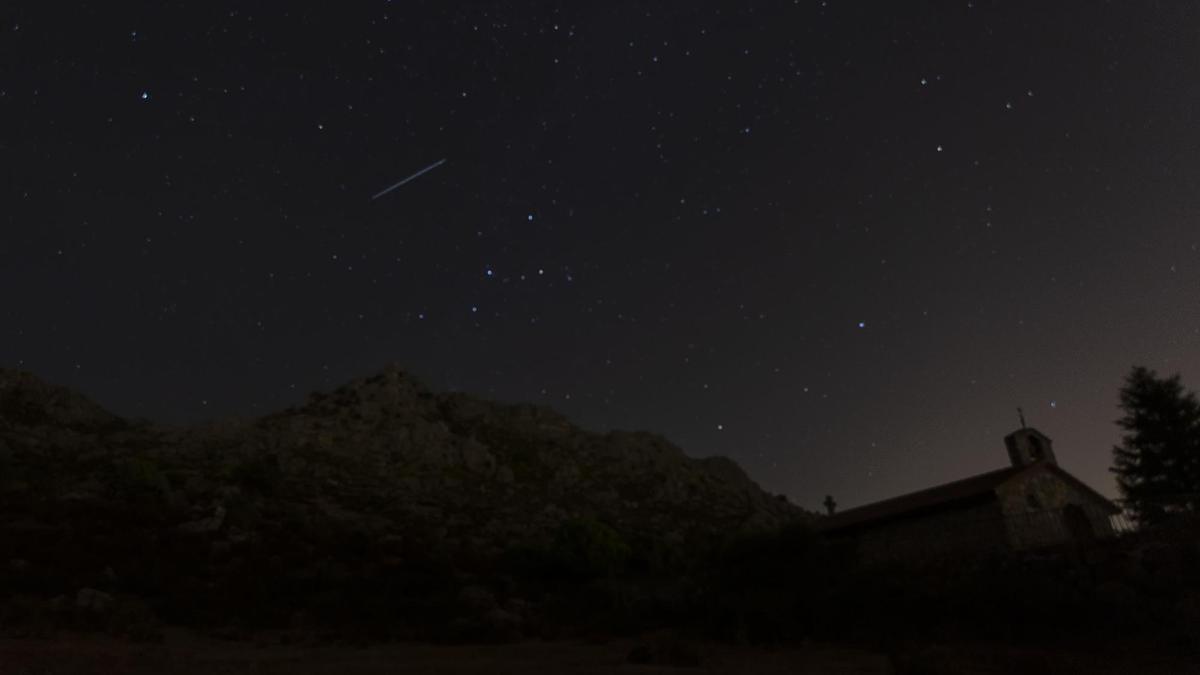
[{"x": 380, "y": 491}]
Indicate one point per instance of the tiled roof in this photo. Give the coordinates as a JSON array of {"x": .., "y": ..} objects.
[{"x": 975, "y": 487}]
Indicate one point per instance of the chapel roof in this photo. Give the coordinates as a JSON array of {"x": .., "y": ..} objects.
[{"x": 979, "y": 488}]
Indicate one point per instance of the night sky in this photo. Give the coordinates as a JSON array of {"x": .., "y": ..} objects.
[{"x": 837, "y": 241}]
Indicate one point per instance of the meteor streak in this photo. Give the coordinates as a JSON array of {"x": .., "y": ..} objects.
[{"x": 415, "y": 176}]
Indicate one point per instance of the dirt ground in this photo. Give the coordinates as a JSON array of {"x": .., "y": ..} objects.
[
  {"x": 183, "y": 654},
  {"x": 983, "y": 658}
]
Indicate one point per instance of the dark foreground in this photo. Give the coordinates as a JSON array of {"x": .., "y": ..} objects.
[
  {"x": 386, "y": 513},
  {"x": 186, "y": 653}
]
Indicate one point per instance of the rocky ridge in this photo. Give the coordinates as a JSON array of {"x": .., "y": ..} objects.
[{"x": 381, "y": 476}]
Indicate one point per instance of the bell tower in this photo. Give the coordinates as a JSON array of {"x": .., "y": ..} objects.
[{"x": 1028, "y": 446}]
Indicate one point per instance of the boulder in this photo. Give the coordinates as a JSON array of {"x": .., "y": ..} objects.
[
  {"x": 503, "y": 625},
  {"x": 207, "y": 525},
  {"x": 641, "y": 654},
  {"x": 477, "y": 599},
  {"x": 476, "y": 457},
  {"x": 93, "y": 601},
  {"x": 518, "y": 606}
]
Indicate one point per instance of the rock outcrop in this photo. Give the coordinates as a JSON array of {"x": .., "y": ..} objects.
[{"x": 371, "y": 480}]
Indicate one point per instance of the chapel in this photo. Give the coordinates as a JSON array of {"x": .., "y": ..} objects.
[{"x": 1031, "y": 503}]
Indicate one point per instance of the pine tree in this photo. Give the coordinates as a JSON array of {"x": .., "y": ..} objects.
[{"x": 1158, "y": 461}]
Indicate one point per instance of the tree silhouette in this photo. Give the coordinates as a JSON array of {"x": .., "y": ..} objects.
[{"x": 1158, "y": 462}]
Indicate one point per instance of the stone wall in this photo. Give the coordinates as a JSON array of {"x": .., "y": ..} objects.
[
  {"x": 949, "y": 533},
  {"x": 1033, "y": 506}
]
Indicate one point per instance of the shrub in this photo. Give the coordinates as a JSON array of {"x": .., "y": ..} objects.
[
  {"x": 140, "y": 479},
  {"x": 259, "y": 473},
  {"x": 585, "y": 548}
]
